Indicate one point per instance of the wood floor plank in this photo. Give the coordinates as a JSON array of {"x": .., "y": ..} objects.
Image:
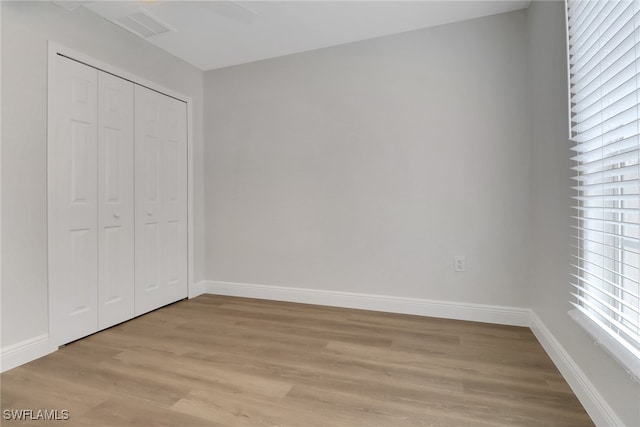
[
  {"x": 226, "y": 361},
  {"x": 236, "y": 381}
]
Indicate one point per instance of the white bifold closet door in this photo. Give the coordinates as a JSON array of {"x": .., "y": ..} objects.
[
  {"x": 161, "y": 199},
  {"x": 117, "y": 200}
]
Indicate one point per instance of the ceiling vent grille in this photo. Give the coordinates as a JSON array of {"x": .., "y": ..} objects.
[
  {"x": 141, "y": 23},
  {"x": 69, "y": 5}
]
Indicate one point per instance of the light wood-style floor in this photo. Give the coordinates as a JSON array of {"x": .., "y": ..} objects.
[{"x": 223, "y": 361}]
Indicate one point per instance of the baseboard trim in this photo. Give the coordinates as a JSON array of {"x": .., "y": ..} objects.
[
  {"x": 25, "y": 351},
  {"x": 515, "y": 316},
  {"x": 598, "y": 409},
  {"x": 196, "y": 289}
]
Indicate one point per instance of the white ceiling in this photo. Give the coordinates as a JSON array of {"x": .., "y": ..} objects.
[{"x": 216, "y": 34}]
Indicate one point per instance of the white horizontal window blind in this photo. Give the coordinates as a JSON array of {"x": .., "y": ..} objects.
[{"x": 604, "y": 52}]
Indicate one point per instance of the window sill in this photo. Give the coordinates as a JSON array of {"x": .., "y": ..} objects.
[{"x": 621, "y": 354}]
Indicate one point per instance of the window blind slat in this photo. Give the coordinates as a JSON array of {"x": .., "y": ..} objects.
[
  {"x": 590, "y": 272},
  {"x": 623, "y": 130},
  {"x": 629, "y": 157},
  {"x": 622, "y": 145},
  {"x": 629, "y": 211},
  {"x": 600, "y": 176},
  {"x": 597, "y": 294},
  {"x": 625, "y": 298},
  {"x": 630, "y": 186},
  {"x": 608, "y": 222},
  {"x": 593, "y": 244},
  {"x": 610, "y": 147},
  {"x": 606, "y": 234},
  {"x": 591, "y": 252},
  {"x": 605, "y": 314},
  {"x": 607, "y": 197}
]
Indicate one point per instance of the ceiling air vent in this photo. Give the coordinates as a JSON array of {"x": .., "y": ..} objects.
[
  {"x": 69, "y": 5},
  {"x": 141, "y": 23}
]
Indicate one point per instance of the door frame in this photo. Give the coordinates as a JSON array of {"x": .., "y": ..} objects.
[{"x": 55, "y": 49}]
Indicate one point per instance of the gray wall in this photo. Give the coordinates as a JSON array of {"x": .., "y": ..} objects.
[
  {"x": 26, "y": 27},
  {"x": 550, "y": 210},
  {"x": 367, "y": 167}
]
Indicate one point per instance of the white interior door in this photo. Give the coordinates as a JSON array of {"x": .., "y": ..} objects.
[
  {"x": 115, "y": 200},
  {"x": 73, "y": 213},
  {"x": 161, "y": 204}
]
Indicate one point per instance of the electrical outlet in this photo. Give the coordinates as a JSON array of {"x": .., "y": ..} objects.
[{"x": 460, "y": 263}]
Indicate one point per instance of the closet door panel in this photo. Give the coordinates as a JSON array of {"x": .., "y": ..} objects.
[
  {"x": 176, "y": 198},
  {"x": 73, "y": 270},
  {"x": 116, "y": 200},
  {"x": 148, "y": 243},
  {"x": 161, "y": 232}
]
